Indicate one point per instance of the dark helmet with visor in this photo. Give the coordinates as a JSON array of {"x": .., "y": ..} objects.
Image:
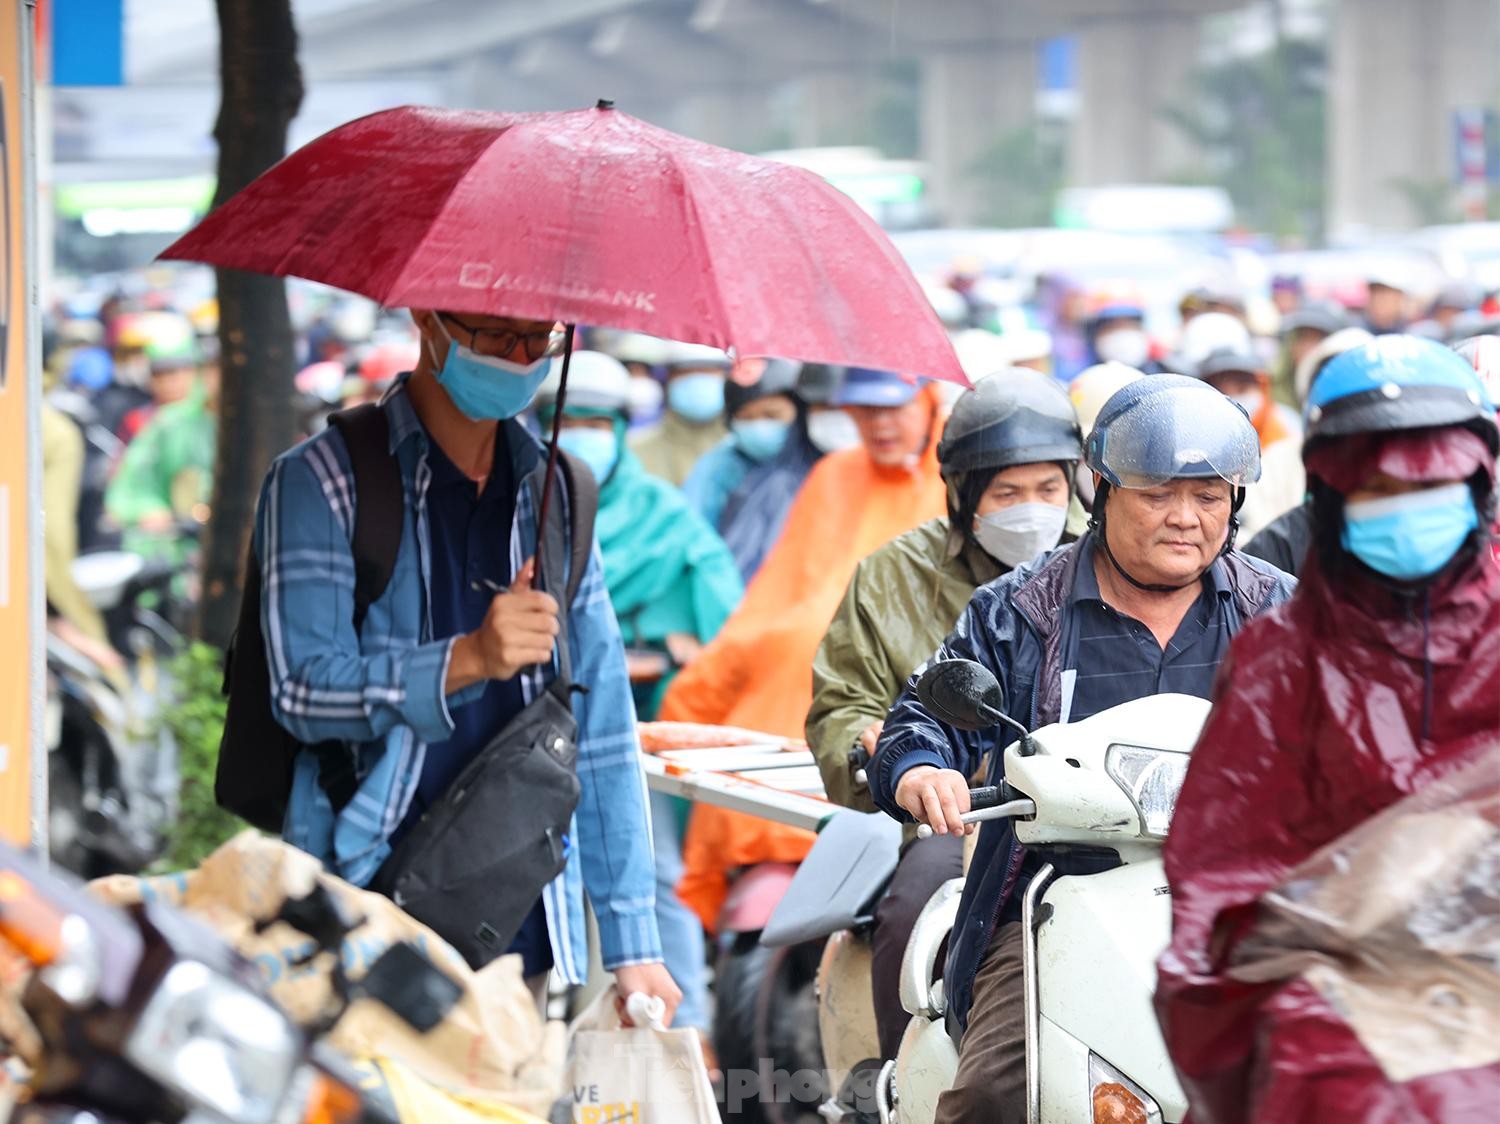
[
  {"x": 1171, "y": 427},
  {"x": 1015, "y": 416}
]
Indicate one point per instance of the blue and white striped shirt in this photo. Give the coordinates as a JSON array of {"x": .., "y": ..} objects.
[{"x": 382, "y": 690}]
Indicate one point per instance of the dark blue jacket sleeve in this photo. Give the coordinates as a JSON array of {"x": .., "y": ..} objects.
[{"x": 912, "y": 736}]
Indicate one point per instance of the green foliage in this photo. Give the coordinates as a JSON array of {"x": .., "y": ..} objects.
[
  {"x": 1260, "y": 121},
  {"x": 1432, "y": 201},
  {"x": 196, "y": 719},
  {"x": 1021, "y": 174}
]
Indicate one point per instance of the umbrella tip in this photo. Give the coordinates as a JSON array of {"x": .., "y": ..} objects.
[{"x": 605, "y": 103}]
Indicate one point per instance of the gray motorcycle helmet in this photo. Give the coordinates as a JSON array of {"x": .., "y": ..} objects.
[
  {"x": 1015, "y": 416},
  {"x": 778, "y": 377}
]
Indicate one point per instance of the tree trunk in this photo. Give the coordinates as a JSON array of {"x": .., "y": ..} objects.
[{"x": 261, "y": 93}]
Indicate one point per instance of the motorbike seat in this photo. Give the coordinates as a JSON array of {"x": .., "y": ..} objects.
[{"x": 839, "y": 882}]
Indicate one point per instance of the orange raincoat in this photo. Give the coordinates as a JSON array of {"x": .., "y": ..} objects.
[{"x": 758, "y": 671}]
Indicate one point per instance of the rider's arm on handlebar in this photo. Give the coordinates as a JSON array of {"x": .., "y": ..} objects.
[{"x": 913, "y": 737}]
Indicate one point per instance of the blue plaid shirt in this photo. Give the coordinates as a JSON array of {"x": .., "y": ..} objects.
[{"x": 382, "y": 690}]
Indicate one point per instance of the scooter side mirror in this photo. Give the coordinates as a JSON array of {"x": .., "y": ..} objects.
[
  {"x": 961, "y": 693},
  {"x": 418, "y": 992}
]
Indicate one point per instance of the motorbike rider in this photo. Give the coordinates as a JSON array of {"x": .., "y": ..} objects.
[
  {"x": 1378, "y": 678},
  {"x": 1116, "y": 333},
  {"x": 756, "y": 672},
  {"x": 1301, "y": 331},
  {"x": 693, "y": 422},
  {"x": 166, "y": 474},
  {"x": 1007, "y": 456},
  {"x": 1386, "y": 302},
  {"x": 1146, "y": 602},
  {"x": 745, "y": 484}
]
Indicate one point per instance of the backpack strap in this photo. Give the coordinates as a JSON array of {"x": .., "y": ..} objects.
[
  {"x": 583, "y": 506},
  {"x": 379, "y": 502},
  {"x": 379, "y": 510}
]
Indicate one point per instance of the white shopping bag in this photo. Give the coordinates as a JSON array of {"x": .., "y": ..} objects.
[{"x": 635, "y": 1075}]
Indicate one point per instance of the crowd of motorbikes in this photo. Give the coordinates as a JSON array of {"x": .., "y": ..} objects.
[{"x": 792, "y": 984}]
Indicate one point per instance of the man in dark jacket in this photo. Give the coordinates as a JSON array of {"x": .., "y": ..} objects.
[
  {"x": 1008, "y": 454},
  {"x": 1145, "y": 603}
]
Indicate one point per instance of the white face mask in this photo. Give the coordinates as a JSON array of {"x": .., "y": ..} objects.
[
  {"x": 1130, "y": 346},
  {"x": 1019, "y": 533},
  {"x": 832, "y": 430}
]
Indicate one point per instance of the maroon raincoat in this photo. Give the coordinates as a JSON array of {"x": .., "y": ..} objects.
[{"x": 1329, "y": 709}]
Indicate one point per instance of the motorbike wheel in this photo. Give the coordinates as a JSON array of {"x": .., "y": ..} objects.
[
  {"x": 737, "y": 979},
  {"x": 65, "y": 816},
  {"x": 787, "y": 1032},
  {"x": 766, "y": 1023}
]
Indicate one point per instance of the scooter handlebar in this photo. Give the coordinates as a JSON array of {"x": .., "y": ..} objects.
[{"x": 989, "y": 811}]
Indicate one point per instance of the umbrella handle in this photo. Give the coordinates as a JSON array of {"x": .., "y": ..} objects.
[{"x": 549, "y": 477}]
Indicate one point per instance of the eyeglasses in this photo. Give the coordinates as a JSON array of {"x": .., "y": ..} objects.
[{"x": 503, "y": 342}]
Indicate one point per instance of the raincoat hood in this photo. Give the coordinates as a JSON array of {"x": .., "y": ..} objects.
[
  {"x": 665, "y": 568},
  {"x": 1328, "y": 710}
]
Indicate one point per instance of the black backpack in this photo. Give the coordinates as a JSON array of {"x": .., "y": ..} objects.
[{"x": 256, "y": 753}]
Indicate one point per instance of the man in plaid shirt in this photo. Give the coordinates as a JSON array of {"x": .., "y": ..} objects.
[{"x": 457, "y": 644}]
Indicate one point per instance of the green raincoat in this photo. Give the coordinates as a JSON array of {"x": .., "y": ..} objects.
[
  {"x": 666, "y": 569},
  {"x": 900, "y": 604},
  {"x": 167, "y": 467}
]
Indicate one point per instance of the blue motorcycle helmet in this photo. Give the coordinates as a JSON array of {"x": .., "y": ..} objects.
[
  {"x": 866, "y": 386},
  {"x": 1170, "y": 427},
  {"x": 1397, "y": 382},
  {"x": 1393, "y": 385}
]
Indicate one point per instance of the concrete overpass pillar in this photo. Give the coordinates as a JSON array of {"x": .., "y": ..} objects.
[
  {"x": 1397, "y": 70},
  {"x": 833, "y": 108},
  {"x": 971, "y": 98},
  {"x": 1131, "y": 65}
]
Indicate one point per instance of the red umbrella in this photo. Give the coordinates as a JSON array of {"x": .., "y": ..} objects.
[{"x": 587, "y": 217}]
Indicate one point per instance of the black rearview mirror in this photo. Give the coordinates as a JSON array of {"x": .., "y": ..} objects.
[
  {"x": 961, "y": 693},
  {"x": 410, "y": 985}
]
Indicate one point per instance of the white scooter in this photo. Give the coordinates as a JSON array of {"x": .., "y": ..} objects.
[{"x": 1110, "y": 782}]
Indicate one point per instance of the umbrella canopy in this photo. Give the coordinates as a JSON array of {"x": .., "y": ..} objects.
[{"x": 588, "y": 217}]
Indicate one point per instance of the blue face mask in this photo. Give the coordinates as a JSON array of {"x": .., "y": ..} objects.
[
  {"x": 486, "y": 388},
  {"x": 597, "y": 448},
  {"x": 698, "y": 398},
  {"x": 761, "y": 439},
  {"x": 1413, "y": 535}
]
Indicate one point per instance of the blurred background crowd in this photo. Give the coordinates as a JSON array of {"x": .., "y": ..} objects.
[{"x": 1231, "y": 190}]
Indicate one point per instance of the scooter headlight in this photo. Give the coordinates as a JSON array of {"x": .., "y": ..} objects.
[
  {"x": 1152, "y": 778},
  {"x": 1115, "y": 1099},
  {"x": 221, "y": 1046}
]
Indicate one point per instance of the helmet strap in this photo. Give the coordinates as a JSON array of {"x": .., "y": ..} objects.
[{"x": 1097, "y": 525}]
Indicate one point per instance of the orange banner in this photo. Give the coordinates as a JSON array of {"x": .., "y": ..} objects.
[{"x": 18, "y": 490}]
